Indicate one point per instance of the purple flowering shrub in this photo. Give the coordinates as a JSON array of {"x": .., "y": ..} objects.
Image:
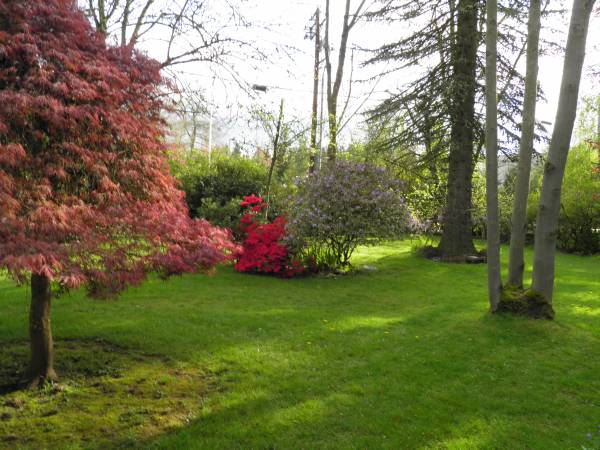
[{"x": 344, "y": 206}]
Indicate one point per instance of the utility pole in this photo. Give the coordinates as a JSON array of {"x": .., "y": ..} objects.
[
  {"x": 210, "y": 122},
  {"x": 321, "y": 120},
  {"x": 315, "y": 100}
]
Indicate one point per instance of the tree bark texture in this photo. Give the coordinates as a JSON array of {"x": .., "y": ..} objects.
[
  {"x": 457, "y": 236},
  {"x": 334, "y": 85},
  {"x": 516, "y": 264},
  {"x": 547, "y": 218},
  {"x": 41, "y": 368},
  {"x": 491, "y": 139}
]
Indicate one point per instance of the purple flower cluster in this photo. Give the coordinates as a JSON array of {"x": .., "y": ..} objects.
[{"x": 347, "y": 205}]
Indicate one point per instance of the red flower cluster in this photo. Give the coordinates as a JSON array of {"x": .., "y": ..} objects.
[{"x": 262, "y": 250}]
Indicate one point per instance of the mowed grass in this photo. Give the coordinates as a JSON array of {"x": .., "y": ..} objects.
[{"x": 405, "y": 357}]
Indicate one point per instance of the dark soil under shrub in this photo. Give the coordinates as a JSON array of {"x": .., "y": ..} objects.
[{"x": 434, "y": 253}]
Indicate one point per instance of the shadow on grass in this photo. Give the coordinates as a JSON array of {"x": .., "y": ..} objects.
[
  {"x": 404, "y": 357},
  {"x": 107, "y": 394},
  {"x": 473, "y": 385}
]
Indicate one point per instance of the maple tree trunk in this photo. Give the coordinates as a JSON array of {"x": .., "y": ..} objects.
[
  {"x": 457, "y": 236},
  {"x": 41, "y": 368},
  {"x": 516, "y": 262},
  {"x": 547, "y": 218}
]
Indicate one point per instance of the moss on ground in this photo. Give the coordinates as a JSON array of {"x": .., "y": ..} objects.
[
  {"x": 403, "y": 357},
  {"x": 108, "y": 396},
  {"x": 526, "y": 303}
]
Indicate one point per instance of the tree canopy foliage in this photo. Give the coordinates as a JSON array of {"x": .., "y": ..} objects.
[{"x": 85, "y": 188}]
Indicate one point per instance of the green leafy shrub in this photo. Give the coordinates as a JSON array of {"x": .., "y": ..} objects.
[
  {"x": 214, "y": 192},
  {"x": 579, "y": 219},
  {"x": 225, "y": 215}
]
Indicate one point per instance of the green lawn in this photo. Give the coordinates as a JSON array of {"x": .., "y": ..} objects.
[{"x": 402, "y": 358}]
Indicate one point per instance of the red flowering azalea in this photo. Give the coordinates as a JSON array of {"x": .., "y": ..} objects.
[
  {"x": 85, "y": 192},
  {"x": 262, "y": 250},
  {"x": 251, "y": 200}
]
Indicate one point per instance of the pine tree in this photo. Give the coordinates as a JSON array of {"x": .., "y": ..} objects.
[{"x": 439, "y": 115}]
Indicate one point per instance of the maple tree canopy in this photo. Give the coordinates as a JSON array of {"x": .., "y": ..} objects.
[{"x": 86, "y": 197}]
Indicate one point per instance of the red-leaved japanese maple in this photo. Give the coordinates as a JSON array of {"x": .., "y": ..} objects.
[{"x": 86, "y": 198}]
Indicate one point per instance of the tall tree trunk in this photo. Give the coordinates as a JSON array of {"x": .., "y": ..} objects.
[
  {"x": 334, "y": 85},
  {"x": 315, "y": 101},
  {"x": 547, "y": 218},
  {"x": 491, "y": 157},
  {"x": 332, "y": 119},
  {"x": 457, "y": 236},
  {"x": 321, "y": 119},
  {"x": 41, "y": 367},
  {"x": 125, "y": 22},
  {"x": 516, "y": 264},
  {"x": 102, "y": 20}
]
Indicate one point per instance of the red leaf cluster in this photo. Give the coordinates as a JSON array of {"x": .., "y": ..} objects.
[
  {"x": 85, "y": 191},
  {"x": 262, "y": 248}
]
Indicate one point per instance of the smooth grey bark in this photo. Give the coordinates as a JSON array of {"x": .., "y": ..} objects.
[
  {"x": 547, "y": 218},
  {"x": 491, "y": 156},
  {"x": 516, "y": 262}
]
